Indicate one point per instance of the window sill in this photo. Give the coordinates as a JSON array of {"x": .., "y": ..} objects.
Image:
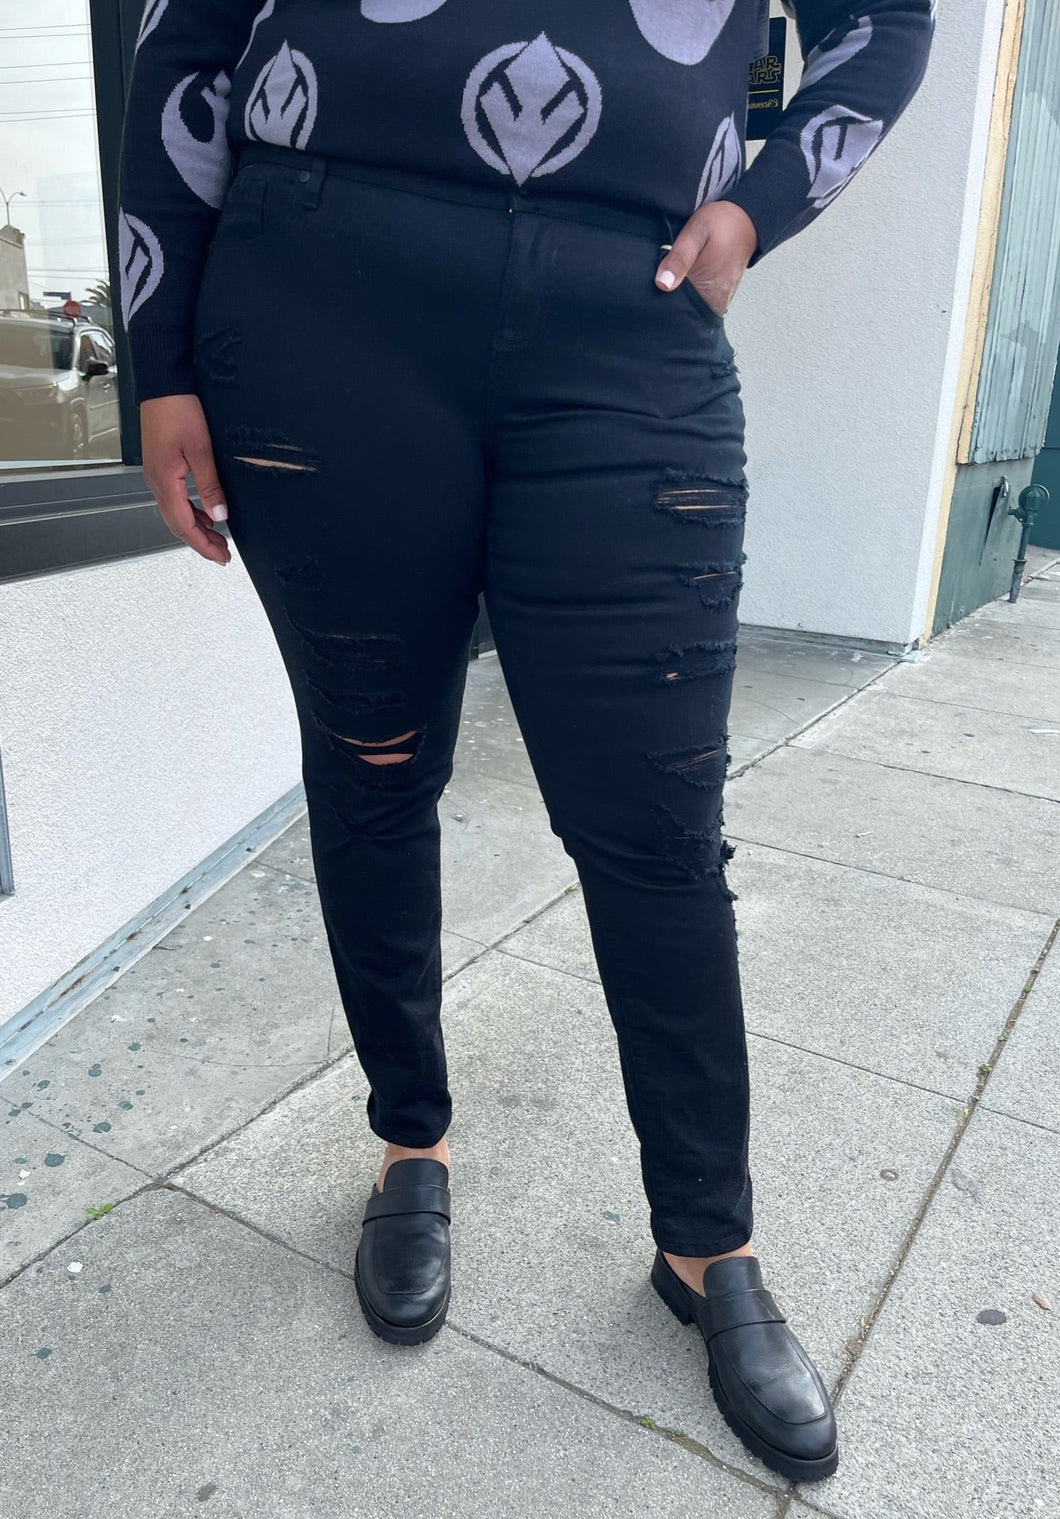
[{"x": 53, "y": 520}]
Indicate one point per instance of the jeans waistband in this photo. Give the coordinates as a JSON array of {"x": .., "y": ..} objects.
[{"x": 315, "y": 167}]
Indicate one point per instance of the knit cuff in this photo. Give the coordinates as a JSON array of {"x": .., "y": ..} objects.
[
  {"x": 162, "y": 363},
  {"x": 775, "y": 202}
]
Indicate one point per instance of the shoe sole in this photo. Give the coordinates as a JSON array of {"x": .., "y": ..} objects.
[
  {"x": 796, "y": 1469},
  {"x": 398, "y": 1334}
]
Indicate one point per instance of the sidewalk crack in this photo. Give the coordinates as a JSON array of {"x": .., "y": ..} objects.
[
  {"x": 642, "y": 1421},
  {"x": 856, "y": 1345}
]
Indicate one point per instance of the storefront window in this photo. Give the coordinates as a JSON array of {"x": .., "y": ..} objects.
[{"x": 58, "y": 381}]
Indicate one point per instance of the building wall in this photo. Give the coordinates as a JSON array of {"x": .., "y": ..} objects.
[
  {"x": 1046, "y": 533},
  {"x": 145, "y": 719},
  {"x": 848, "y": 341},
  {"x": 981, "y": 545},
  {"x": 14, "y": 282}
]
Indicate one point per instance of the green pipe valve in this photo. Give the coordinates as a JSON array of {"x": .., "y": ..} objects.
[{"x": 1032, "y": 499}]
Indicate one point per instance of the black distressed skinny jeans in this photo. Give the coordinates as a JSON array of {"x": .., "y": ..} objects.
[{"x": 419, "y": 390}]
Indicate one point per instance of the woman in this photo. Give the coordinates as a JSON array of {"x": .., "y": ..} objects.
[{"x": 429, "y": 296}]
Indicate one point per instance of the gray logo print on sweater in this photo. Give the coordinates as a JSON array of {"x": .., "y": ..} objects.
[
  {"x": 530, "y": 107},
  {"x": 833, "y": 51},
  {"x": 399, "y": 10},
  {"x": 203, "y": 164},
  {"x": 724, "y": 163},
  {"x": 151, "y": 17},
  {"x": 263, "y": 15},
  {"x": 682, "y": 30},
  {"x": 140, "y": 263},
  {"x": 282, "y": 106},
  {"x": 835, "y": 143}
]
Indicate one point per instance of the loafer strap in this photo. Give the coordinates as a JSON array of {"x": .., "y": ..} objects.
[
  {"x": 424, "y": 1197},
  {"x": 753, "y": 1305}
]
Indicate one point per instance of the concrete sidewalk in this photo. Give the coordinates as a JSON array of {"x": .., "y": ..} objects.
[{"x": 197, "y": 1348}]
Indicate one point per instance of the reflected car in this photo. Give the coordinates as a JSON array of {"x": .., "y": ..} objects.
[{"x": 58, "y": 390}]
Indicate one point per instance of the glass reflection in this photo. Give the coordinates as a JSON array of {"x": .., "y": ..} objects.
[{"x": 58, "y": 381}]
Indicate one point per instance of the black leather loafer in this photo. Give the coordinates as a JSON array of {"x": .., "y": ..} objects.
[
  {"x": 401, "y": 1269},
  {"x": 769, "y": 1391}
]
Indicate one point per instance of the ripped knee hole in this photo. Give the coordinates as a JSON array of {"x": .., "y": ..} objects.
[{"x": 399, "y": 758}]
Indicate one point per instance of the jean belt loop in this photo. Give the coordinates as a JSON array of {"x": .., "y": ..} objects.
[{"x": 312, "y": 177}]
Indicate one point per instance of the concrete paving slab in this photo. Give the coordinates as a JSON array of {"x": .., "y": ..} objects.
[
  {"x": 190, "y": 1361},
  {"x": 902, "y": 979},
  {"x": 558, "y": 937},
  {"x": 1038, "y": 602},
  {"x": 501, "y": 862},
  {"x": 456, "y": 953},
  {"x": 47, "y": 1180},
  {"x": 290, "y": 854},
  {"x": 490, "y": 743},
  {"x": 1019, "y": 754},
  {"x": 550, "y": 1236},
  {"x": 1025, "y": 1082},
  {"x": 953, "y": 669},
  {"x": 224, "y": 1015},
  {"x": 744, "y": 751},
  {"x": 976, "y": 841},
  {"x": 320, "y": 1160},
  {"x": 951, "y": 1410},
  {"x": 1042, "y": 561},
  {"x": 811, "y": 659},
  {"x": 769, "y": 705},
  {"x": 994, "y": 641}
]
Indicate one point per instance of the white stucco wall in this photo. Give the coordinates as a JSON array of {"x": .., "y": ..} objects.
[
  {"x": 145, "y": 718},
  {"x": 848, "y": 339}
]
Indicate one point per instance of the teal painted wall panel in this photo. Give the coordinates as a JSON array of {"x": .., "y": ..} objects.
[
  {"x": 1046, "y": 530},
  {"x": 980, "y": 549}
]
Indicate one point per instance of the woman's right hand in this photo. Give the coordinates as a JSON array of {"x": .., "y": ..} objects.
[{"x": 176, "y": 442}]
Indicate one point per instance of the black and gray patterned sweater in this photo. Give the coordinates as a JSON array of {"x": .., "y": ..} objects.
[{"x": 642, "y": 102}]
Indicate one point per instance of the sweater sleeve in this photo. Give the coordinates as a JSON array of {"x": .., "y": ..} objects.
[
  {"x": 862, "y": 64},
  {"x": 175, "y": 166}
]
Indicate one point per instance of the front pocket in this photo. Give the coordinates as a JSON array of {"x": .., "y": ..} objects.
[
  {"x": 242, "y": 218},
  {"x": 691, "y": 293},
  {"x": 700, "y": 302}
]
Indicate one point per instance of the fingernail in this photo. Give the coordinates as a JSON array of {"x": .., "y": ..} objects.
[
  {"x": 666, "y": 278},
  {"x": 219, "y": 513}
]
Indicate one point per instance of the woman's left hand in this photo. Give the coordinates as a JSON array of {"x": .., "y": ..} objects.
[{"x": 713, "y": 250}]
